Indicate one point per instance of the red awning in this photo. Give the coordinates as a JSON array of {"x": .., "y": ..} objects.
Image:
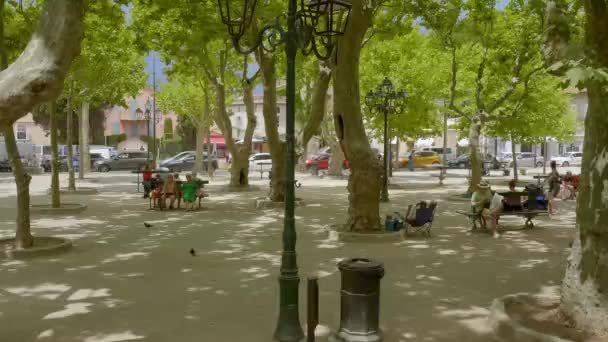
[{"x": 217, "y": 139}]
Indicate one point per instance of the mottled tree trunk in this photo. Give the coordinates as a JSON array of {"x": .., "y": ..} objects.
[
  {"x": 69, "y": 128},
  {"x": 55, "y": 195},
  {"x": 585, "y": 286},
  {"x": 365, "y": 180},
  {"x": 337, "y": 156},
  {"x": 515, "y": 176},
  {"x": 23, "y": 235},
  {"x": 277, "y": 146},
  {"x": 474, "y": 157},
  {"x": 210, "y": 168}
]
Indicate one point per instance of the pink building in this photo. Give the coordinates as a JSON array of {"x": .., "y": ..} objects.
[{"x": 132, "y": 121}]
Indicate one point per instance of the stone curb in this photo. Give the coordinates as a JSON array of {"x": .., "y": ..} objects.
[
  {"x": 380, "y": 237},
  {"x": 508, "y": 330},
  {"x": 78, "y": 191},
  {"x": 63, "y": 245},
  {"x": 66, "y": 208}
]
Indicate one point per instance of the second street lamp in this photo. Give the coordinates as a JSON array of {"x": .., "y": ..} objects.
[
  {"x": 147, "y": 114},
  {"x": 316, "y": 19},
  {"x": 385, "y": 100}
]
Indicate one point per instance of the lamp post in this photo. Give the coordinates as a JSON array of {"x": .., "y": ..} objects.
[
  {"x": 147, "y": 114},
  {"x": 385, "y": 100},
  {"x": 313, "y": 28}
]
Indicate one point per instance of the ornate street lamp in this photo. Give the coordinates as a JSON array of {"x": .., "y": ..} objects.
[
  {"x": 385, "y": 100},
  {"x": 312, "y": 28},
  {"x": 147, "y": 114}
]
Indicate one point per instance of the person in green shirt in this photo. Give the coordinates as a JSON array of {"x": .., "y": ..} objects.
[
  {"x": 189, "y": 189},
  {"x": 482, "y": 197}
]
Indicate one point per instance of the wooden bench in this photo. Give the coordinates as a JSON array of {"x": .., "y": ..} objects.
[{"x": 178, "y": 195}]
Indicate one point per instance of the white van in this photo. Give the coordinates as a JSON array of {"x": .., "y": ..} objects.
[{"x": 106, "y": 152}]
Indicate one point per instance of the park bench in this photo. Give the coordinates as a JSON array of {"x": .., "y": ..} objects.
[
  {"x": 178, "y": 196},
  {"x": 513, "y": 205},
  {"x": 138, "y": 172}
]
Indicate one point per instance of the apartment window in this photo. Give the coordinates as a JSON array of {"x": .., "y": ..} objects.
[{"x": 21, "y": 132}]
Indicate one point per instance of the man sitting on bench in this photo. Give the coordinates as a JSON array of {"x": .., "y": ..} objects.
[{"x": 488, "y": 205}]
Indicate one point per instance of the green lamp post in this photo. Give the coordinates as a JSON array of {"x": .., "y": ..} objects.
[
  {"x": 313, "y": 28},
  {"x": 385, "y": 100}
]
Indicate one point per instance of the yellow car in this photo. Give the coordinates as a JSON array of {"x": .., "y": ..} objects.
[{"x": 421, "y": 158}]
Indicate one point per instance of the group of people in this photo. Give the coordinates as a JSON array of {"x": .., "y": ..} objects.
[
  {"x": 491, "y": 204},
  {"x": 171, "y": 189}
]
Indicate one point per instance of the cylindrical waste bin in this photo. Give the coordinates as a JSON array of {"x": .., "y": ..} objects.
[
  {"x": 360, "y": 300},
  {"x": 314, "y": 169}
]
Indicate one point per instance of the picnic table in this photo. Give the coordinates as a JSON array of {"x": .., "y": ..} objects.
[{"x": 151, "y": 171}]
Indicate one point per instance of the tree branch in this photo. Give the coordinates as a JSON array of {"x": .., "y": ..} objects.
[
  {"x": 479, "y": 81},
  {"x": 37, "y": 75},
  {"x": 452, "y": 105},
  {"x": 515, "y": 80}
]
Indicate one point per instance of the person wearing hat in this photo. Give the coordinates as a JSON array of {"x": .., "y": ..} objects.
[{"x": 488, "y": 204}]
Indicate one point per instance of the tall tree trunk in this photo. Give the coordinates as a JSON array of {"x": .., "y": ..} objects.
[
  {"x": 365, "y": 180},
  {"x": 55, "y": 196},
  {"x": 210, "y": 169},
  {"x": 585, "y": 286},
  {"x": 277, "y": 146},
  {"x": 396, "y": 160},
  {"x": 474, "y": 157},
  {"x": 337, "y": 156},
  {"x": 70, "y": 125},
  {"x": 85, "y": 158},
  {"x": 23, "y": 235},
  {"x": 200, "y": 149},
  {"x": 515, "y": 176}
]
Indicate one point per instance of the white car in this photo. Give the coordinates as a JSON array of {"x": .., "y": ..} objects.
[
  {"x": 569, "y": 159},
  {"x": 260, "y": 162}
]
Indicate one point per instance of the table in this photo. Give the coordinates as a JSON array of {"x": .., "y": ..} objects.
[
  {"x": 141, "y": 171},
  {"x": 262, "y": 164},
  {"x": 539, "y": 177}
]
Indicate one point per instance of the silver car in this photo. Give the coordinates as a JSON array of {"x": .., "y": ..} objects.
[{"x": 528, "y": 159}]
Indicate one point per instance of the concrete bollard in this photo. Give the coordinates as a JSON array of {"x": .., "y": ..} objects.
[{"x": 360, "y": 301}]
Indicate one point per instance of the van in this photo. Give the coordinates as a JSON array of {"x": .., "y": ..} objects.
[{"x": 105, "y": 152}]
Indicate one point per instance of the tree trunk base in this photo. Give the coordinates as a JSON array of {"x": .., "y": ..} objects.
[
  {"x": 582, "y": 300},
  {"x": 264, "y": 203},
  {"x": 364, "y": 187},
  {"x": 41, "y": 246},
  {"x": 529, "y": 318}
]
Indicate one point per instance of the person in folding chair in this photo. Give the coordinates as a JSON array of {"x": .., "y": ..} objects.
[{"x": 421, "y": 219}]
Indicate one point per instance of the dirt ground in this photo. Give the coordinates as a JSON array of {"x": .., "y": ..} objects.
[{"x": 125, "y": 282}]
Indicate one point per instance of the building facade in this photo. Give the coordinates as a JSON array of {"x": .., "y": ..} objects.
[{"x": 135, "y": 121}]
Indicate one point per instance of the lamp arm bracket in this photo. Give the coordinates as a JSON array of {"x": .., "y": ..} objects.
[{"x": 269, "y": 37}]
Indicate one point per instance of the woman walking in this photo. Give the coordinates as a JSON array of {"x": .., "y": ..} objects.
[{"x": 554, "y": 180}]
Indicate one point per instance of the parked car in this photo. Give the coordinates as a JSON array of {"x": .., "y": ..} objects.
[
  {"x": 461, "y": 162},
  {"x": 322, "y": 161},
  {"x": 439, "y": 150},
  {"x": 123, "y": 161},
  {"x": 260, "y": 162},
  {"x": 96, "y": 157},
  {"x": 569, "y": 159},
  {"x": 186, "y": 163},
  {"x": 63, "y": 164},
  {"x": 178, "y": 156},
  {"x": 505, "y": 158},
  {"x": 528, "y": 159},
  {"x": 421, "y": 158},
  {"x": 5, "y": 166}
]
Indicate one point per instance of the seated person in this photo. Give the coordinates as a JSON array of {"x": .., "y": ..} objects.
[
  {"x": 189, "y": 192},
  {"x": 147, "y": 173},
  {"x": 170, "y": 191},
  {"x": 481, "y": 199},
  {"x": 156, "y": 185},
  {"x": 571, "y": 183},
  {"x": 513, "y": 203},
  {"x": 493, "y": 214}
]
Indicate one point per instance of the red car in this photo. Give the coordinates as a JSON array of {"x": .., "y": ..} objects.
[{"x": 322, "y": 160}]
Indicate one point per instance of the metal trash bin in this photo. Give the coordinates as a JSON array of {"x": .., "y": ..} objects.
[{"x": 360, "y": 300}]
